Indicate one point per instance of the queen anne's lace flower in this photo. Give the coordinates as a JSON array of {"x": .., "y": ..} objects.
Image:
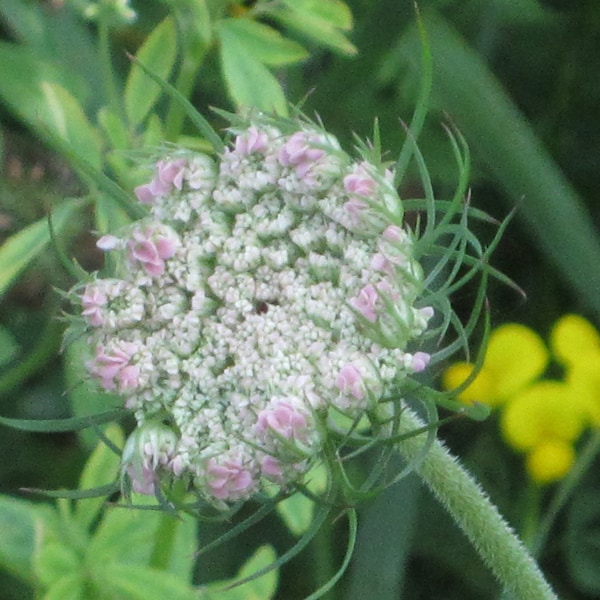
[{"x": 265, "y": 289}]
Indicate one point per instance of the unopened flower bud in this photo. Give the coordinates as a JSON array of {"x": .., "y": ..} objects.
[{"x": 148, "y": 451}]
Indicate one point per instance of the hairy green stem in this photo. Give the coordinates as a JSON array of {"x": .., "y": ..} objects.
[{"x": 471, "y": 509}]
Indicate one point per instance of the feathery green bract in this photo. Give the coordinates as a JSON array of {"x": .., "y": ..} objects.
[
  {"x": 195, "y": 117},
  {"x": 59, "y": 425}
]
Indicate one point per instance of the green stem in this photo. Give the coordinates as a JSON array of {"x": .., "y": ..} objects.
[
  {"x": 323, "y": 559},
  {"x": 471, "y": 509},
  {"x": 568, "y": 484},
  {"x": 164, "y": 541},
  {"x": 531, "y": 520}
]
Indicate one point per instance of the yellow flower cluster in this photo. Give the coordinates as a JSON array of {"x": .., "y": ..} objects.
[{"x": 540, "y": 417}]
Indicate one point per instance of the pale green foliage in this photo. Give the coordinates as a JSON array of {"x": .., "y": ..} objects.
[{"x": 83, "y": 549}]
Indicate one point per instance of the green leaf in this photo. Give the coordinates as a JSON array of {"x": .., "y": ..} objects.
[
  {"x": 154, "y": 135},
  {"x": 45, "y": 349},
  {"x": 157, "y": 53},
  {"x": 22, "y": 523},
  {"x": 127, "y": 535},
  {"x": 62, "y": 113},
  {"x": 504, "y": 141},
  {"x": 9, "y": 348},
  {"x": 55, "y": 560},
  {"x": 297, "y": 511},
  {"x": 264, "y": 43},
  {"x": 21, "y": 249},
  {"x": 101, "y": 468},
  {"x": 117, "y": 133},
  {"x": 583, "y": 541},
  {"x": 23, "y": 72},
  {"x": 249, "y": 82},
  {"x": 334, "y": 12},
  {"x": 379, "y": 570},
  {"x": 124, "y": 535},
  {"x": 319, "y": 20},
  {"x": 59, "y": 34},
  {"x": 95, "y": 177},
  {"x": 136, "y": 582},
  {"x": 42, "y": 96},
  {"x": 262, "y": 588},
  {"x": 111, "y": 216},
  {"x": 69, "y": 587},
  {"x": 194, "y": 18}
]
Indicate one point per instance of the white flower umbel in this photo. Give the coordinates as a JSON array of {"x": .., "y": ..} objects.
[{"x": 266, "y": 289}]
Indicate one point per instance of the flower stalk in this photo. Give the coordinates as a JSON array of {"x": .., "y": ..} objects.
[{"x": 471, "y": 509}]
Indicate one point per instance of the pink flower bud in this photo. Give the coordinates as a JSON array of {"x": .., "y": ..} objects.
[
  {"x": 253, "y": 140},
  {"x": 355, "y": 207},
  {"x": 143, "y": 479},
  {"x": 128, "y": 377},
  {"x": 176, "y": 465},
  {"x": 420, "y": 360},
  {"x": 169, "y": 175},
  {"x": 229, "y": 480},
  {"x": 299, "y": 151},
  {"x": 92, "y": 301},
  {"x": 381, "y": 263},
  {"x": 365, "y": 302},
  {"x": 274, "y": 470},
  {"x": 107, "y": 365},
  {"x": 285, "y": 419},
  {"x": 360, "y": 182},
  {"x": 271, "y": 468},
  {"x": 350, "y": 381},
  {"x": 145, "y": 193},
  {"x": 148, "y": 449},
  {"x": 394, "y": 234},
  {"x": 151, "y": 250}
]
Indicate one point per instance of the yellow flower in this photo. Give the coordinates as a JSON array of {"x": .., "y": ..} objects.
[
  {"x": 550, "y": 461},
  {"x": 576, "y": 344},
  {"x": 544, "y": 421},
  {"x": 515, "y": 357}
]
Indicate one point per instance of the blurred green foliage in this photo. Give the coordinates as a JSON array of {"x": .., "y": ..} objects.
[{"x": 519, "y": 79}]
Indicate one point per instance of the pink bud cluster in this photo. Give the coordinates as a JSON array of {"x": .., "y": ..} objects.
[
  {"x": 150, "y": 249},
  {"x": 115, "y": 367},
  {"x": 93, "y": 300},
  {"x": 169, "y": 177},
  {"x": 229, "y": 480},
  {"x": 249, "y": 304}
]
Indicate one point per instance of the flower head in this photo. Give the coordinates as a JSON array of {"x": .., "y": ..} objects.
[{"x": 258, "y": 305}]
